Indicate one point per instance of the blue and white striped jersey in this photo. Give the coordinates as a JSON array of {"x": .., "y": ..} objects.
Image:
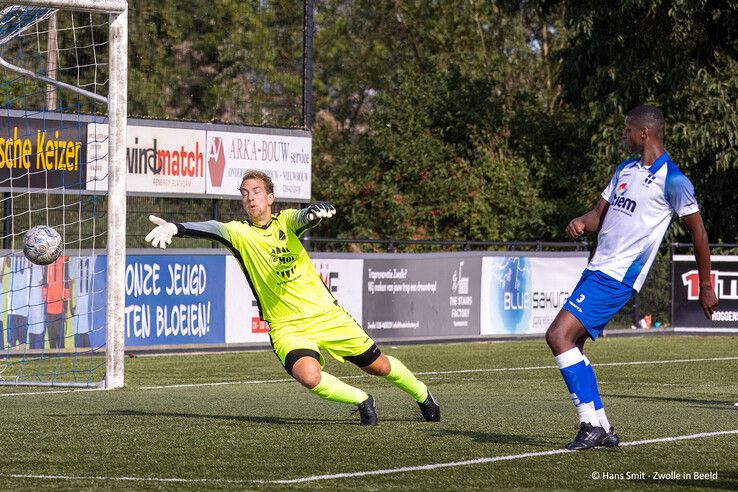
[{"x": 642, "y": 200}]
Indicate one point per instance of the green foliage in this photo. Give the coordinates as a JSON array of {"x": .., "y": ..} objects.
[
  {"x": 553, "y": 147},
  {"x": 436, "y": 164},
  {"x": 236, "y": 62},
  {"x": 417, "y": 132},
  {"x": 469, "y": 120},
  {"x": 705, "y": 139},
  {"x": 678, "y": 55}
]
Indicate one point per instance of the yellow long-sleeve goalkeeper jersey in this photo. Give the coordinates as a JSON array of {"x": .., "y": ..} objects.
[{"x": 277, "y": 267}]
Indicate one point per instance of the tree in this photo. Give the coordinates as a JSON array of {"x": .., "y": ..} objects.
[
  {"x": 235, "y": 62},
  {"x": 435, "y": 164},
  {"x": 412, "y": 96},
  {"x": 678, "y": 55}
]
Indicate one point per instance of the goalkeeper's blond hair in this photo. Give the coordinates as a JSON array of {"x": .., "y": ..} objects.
[{"x": 254, "y": 174}]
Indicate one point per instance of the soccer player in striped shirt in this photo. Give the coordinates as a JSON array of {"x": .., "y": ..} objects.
[
  {"x": 304, "y": 318},
  {"x": 631, "y": 216}
]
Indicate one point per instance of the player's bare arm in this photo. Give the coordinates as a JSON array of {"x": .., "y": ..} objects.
[
  {"x": 589, "y": 222},
  {"x": 696, "y": 227}
]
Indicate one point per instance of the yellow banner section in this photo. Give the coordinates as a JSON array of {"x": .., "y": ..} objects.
[{"x": 46, "y": 151}]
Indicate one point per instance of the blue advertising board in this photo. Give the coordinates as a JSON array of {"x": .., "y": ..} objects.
[
  {"x": 174, "y": 300},
  {"x": 523, "y": 294}
]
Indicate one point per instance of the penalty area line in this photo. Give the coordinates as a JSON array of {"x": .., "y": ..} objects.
[
  {"x": 530, "y": 368},
  {"x": 436, "y": 373},
  {"x": 425, "y": 373},
  {"x": 220, "y": 383},
  {"x": 386, "y": 471}
]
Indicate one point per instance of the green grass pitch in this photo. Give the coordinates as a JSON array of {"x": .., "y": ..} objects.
[{"x": 171, "y": 430}]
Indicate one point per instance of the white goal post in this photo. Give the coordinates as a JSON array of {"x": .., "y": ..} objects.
[{"x": 39, "y": 102}]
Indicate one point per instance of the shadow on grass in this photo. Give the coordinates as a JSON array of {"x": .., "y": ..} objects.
[
  {"x": 501, "y": 438},
  {"x": 709, "y": 403},
  {"x": 350, "y": 420}
]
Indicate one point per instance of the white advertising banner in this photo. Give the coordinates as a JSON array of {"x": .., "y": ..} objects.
[
  {"x": 342, "y": 277},
  {"x": 242, "y": 323},
  {"x": 158, "y": 160},
  {"x": 524, "y": 294},
  {"x": 287, "y": 159}
]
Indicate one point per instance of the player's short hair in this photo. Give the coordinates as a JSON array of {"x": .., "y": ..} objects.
[
  {"x": 650, "y": 117},
  {"x": 254, "y": 174}
]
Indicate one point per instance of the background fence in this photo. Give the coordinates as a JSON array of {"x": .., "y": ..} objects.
[{"x": 654, "y": 299}]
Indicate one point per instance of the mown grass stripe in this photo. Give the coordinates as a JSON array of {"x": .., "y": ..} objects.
[
  {"x": 366, "y": 473},
  {"x": 425, "y": 373}
]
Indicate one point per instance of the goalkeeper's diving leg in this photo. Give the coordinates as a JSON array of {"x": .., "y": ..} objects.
[
  {"x": 306, "y": 370},
  {"x": 396, "y": 373},
  {"x": 304, "y": 366}
]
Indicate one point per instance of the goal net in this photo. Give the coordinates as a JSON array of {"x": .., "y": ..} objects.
[{"x": 62, "y": 120}]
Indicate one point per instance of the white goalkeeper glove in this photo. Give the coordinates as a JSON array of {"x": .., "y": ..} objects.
[
  {"x": 162, "y": 234},
  {"x": 319, "y": 210}
]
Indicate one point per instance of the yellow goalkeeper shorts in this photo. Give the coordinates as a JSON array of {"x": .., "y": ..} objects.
[{"x": 334, "y": 331}]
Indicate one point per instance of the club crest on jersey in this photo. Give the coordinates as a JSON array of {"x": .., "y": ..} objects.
[
  {"x": 282, "y": 236},
  {"x": 649, "y": 179}
]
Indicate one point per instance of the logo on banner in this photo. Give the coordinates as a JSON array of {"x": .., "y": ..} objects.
[
  {"x": 216, "y": 161},
  {"x": 512, "y": 293},
  {"x": 258, "y": 325},
  {"x": 460, "y": 301},
  {"x": 724, "y": 283},
  {"x": 329, "y": 278},
  {"x": 459, "y": 284}
]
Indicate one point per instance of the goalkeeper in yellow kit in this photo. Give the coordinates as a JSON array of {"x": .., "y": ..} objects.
[{"x": 303, "y": 316}]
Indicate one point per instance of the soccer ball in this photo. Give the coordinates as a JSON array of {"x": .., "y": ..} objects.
[{"x": 42, "y": 245}]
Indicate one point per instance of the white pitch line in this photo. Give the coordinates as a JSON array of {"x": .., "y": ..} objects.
[
  {"x": 493, "y": 459},
  {"x": 53, "y": 392},
  {"x": 386, "y": 471},
  {"x": 221, "y": 383},
  {"x": 124, "y": 479},
  {"x": 460, "y": 371},
  {"x": 426, "y": 373},
  {"x": 632, "y": 363}
]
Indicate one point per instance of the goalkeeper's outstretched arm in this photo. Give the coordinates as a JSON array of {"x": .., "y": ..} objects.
[{"x": 161, "y": 235}]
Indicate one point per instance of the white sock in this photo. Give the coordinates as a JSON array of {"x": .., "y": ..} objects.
[
  {"x": 569, "y": 358},
  {"x": 588, "y": 414},
  {"x": 603, "y": 419}
]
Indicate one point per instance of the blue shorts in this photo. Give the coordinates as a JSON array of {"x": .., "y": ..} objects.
[{"x": 596, "y": 299}]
